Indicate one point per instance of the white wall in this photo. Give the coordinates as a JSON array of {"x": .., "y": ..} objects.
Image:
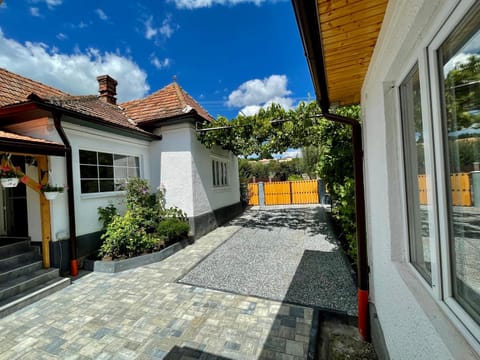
[
  {"x": 186, "y": 172},
  {"x": 414, "y": 324},
  {"x": 206, "y": 196},
  {"x": 176, "y": 166}
]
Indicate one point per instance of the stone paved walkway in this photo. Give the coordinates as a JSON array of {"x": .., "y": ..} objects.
[{"x": 145, "y": 314}]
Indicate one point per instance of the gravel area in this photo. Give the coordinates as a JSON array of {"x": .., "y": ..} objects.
[{"x": 282, "y": 253}]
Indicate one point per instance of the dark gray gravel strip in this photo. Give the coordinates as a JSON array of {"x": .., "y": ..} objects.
[{"x": 286, "y": 254}]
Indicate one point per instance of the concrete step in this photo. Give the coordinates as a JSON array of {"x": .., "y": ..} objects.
[
  {"x": 25, "y": 282},
  {"x": 32, "y": 295},
  {"x": 22, "y": 258},
  {"x": 14, "y": 248},
  {"x": 12, "y": 273}
]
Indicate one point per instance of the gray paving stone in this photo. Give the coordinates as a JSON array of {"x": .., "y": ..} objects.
[{"x": 144, "y": 314}]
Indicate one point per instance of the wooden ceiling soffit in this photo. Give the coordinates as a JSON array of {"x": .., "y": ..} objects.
[{"x": 349, "y": 31}]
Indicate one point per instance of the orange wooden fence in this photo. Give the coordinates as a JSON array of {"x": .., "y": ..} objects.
[
  {"x": 460, "y": 183},
  {"x": 285, "y": 192}
]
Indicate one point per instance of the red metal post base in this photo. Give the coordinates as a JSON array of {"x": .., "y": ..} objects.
[
  {"x": 74, "y": 267},
  {"x": 363, "y": 327}
]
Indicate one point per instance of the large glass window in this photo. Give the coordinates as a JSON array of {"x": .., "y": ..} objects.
[
  {"x": 103, "y": 172},
  {"x": 459, "y": 59},
  {"x": 418, "y": 201}
]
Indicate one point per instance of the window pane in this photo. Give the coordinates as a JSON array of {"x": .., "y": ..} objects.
[
  {"x": 106, "y": 185},
  {"x": 105, "y": 172},
  {"x": 133, "y": 172},
  {"x": 217, "y": 171},
  {"x": 120, "y": 172},
  {"x": 133, "y": 161},
  {"x": 459, "y": 58},
  {"x": 226, "y": 178},
  {"x": 418, "y": 202},
  {"x": 223, "y": 178},
  {"x": 89, "y": 186},
  {"x": 105, "y": 159},
  {"x": 88, "y": 157},
  {"x": 120, "y": 160},
  {"x": 213, "y": 173},
  {"x": 88, "y": 171}
]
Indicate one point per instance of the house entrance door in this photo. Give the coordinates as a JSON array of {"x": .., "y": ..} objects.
[{"x": 14, "y": 206}]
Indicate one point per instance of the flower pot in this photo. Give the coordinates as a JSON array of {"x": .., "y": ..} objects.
[
  {"x": 51, "y": 195},
  {"x": 9, "y": 182}
]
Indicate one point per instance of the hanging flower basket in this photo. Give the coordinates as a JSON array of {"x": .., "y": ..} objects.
[
  {"x": 9, "y": 182},
  {"x": 51, "y": 195},
  {"x": 51, "y": 191}
]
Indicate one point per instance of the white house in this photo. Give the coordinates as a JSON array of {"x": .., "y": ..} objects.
[
  {"x": 414, "y": 65},
  {"x": 92, "y": 145}
]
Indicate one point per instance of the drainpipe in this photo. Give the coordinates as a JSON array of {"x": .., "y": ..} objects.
[
  {"x": 362, "y": 258},
  {"x": 70, "y": 195},
  {"x": 306, "y": 12}
]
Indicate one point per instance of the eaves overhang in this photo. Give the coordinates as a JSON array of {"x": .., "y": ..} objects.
[
  {"x": 76, "y": 118},
  {"x": 339, "y": 38}
]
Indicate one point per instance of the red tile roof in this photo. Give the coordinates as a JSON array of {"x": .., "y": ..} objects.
[
  {"x": 169, "y": 102},
  {"x": 15, "y": 88},
  {"x": 90, "y": 105},
  {"x": 13, "y": 136}
]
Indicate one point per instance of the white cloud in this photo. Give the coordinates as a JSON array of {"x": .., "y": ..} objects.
[
  {"x": 250, "y": 110},
  {"x": 62, "y": 36},
  {"x": 35, "y": 11},
  {"x": 166, "y": 30},
  {"x": 74, "y": 73},
  {"x": 160, "y": 64},
  {"x": 101, "y": 14},
  {"x": 290, "y": 153},
  {"x": 196, "y": 4},
  {"x": 256, "y": 91},
  {"x": 255, "y": 94},
  {"x": 50, "y": 3}
]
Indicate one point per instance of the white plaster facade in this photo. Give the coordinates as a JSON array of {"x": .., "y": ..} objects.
[
  {"x": 416, "y": 322},
  {"x": 186, "y": 172}
]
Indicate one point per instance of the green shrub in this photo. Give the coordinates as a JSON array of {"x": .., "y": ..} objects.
[
  {"x": 121, "y": 235},
  {"x": 173, "y": 229},
  {"x": 141, "y": 229},
  {"x": 106, "y": 214}
]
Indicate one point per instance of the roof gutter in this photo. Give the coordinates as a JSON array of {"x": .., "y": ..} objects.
[
  {"x": 306, "y": 12},
  {"x": 70, "y": 195}
]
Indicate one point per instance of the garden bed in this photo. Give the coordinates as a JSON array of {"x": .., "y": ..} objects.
[{"x": 114, "y": 266}]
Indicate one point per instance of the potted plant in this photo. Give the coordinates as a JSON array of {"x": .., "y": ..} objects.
[
  {"x": 51, "y": 191},
  {"x": 8, "y": 176}
]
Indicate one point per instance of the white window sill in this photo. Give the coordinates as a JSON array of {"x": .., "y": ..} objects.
[{"x": 100, "y": 195}]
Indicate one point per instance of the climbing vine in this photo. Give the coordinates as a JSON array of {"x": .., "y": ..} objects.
[{"x": 274, "y": 130}]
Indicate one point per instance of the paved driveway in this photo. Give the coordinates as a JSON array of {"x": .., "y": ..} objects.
[{"x": 146, "y": 314}]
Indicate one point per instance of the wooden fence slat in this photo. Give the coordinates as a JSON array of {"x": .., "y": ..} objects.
[{"x": 460, "y": 189}]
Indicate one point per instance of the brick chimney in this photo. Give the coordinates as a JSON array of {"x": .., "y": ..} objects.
[{"x": 107, "y": 87}]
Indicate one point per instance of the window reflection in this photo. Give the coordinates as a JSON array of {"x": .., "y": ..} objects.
[
  {"x": 419, "y": 204},
  {"x": 460, "y": 60}
]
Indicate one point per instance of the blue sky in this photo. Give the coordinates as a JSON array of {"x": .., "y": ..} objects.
[{"x": 230, "y": 55}]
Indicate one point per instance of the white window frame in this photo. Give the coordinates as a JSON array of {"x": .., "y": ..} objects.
[
  {"x": 456, "y": 311},
  {"x": 431, "y": 101}
]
